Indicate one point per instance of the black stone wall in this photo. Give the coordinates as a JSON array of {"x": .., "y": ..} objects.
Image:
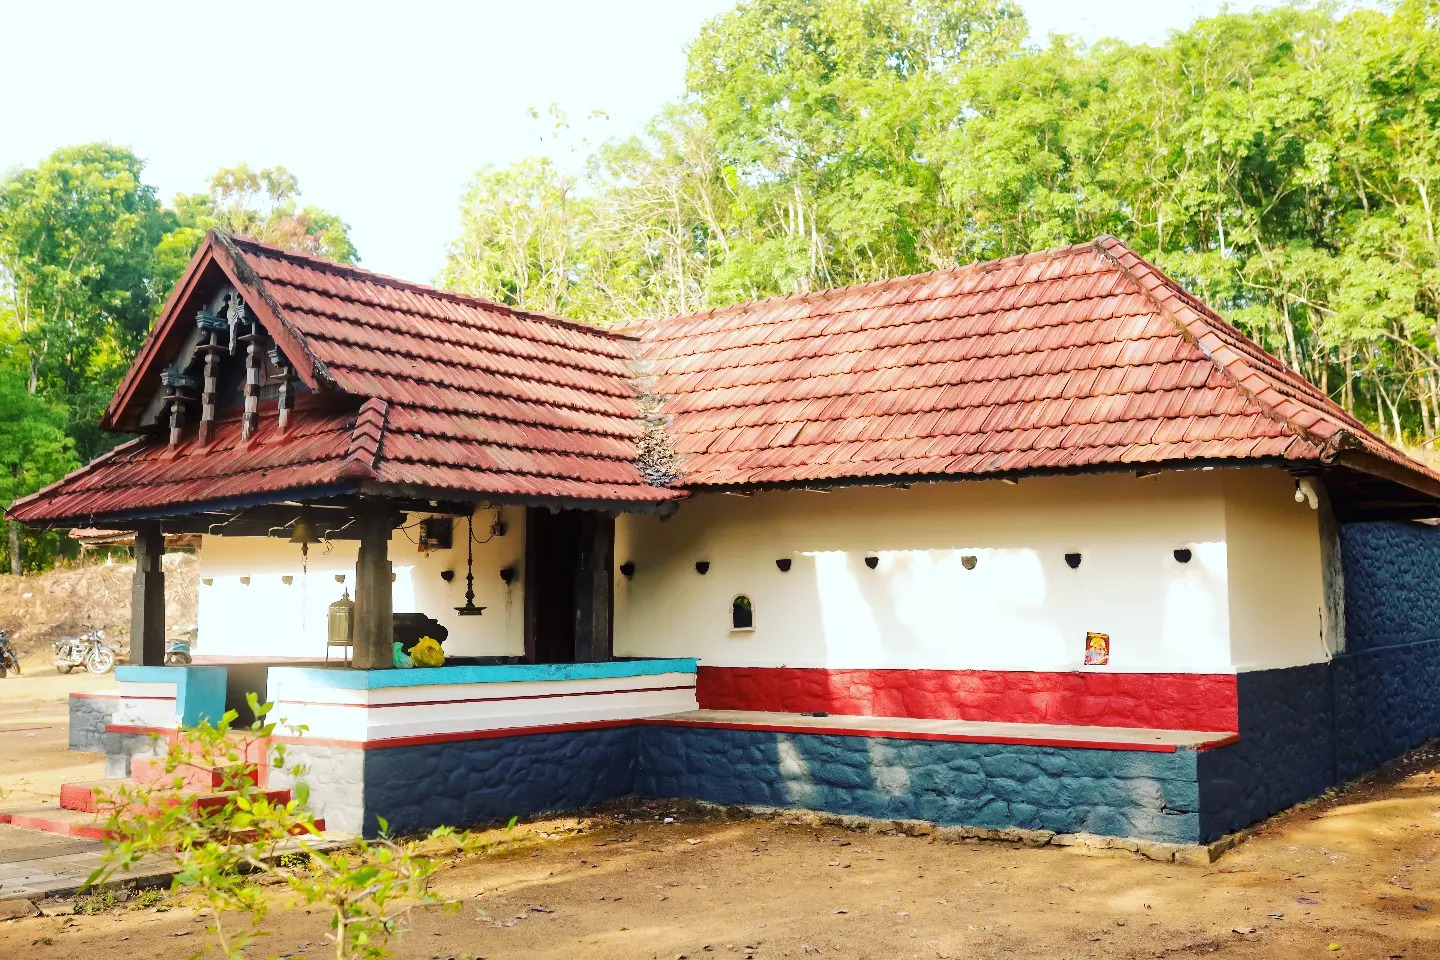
[
  {"x": 1304, "y": 729},
  {"x": 461, "y": 782},
  {"x": 1129, "y": 793},
  {"x": 1285, "y": 753}
]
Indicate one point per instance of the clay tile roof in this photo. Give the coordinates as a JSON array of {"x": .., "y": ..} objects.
[
  {"x": 1078, "y": 357},
  {"x": 428, "y": 392},
  {"x": 1085, "y": 357}
]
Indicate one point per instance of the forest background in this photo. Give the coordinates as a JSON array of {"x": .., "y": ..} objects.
[{"x": 1283, "y": 164}]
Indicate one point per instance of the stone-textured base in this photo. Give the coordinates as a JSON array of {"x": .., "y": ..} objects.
[
  {"x": 463, "y": 782},
  {"x": 1123, "y": 793},
  {"x": 473, "y": 781}
]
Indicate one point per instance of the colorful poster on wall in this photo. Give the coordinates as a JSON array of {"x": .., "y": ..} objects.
[{"x": 1097, "y": 649}]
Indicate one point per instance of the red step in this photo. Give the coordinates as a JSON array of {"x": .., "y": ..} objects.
[
  {"x": 151, "y": 772},
  {"x": 49, "y": 818},
  {"x": 87, "y": 797}
]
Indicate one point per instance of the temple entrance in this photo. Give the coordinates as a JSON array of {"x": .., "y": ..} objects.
[
  {"x": 552, "y": 567},
  {"x": 568, "y": 584}
]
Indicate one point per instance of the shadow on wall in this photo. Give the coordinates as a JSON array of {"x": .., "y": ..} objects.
[
  {"x": 1304, "y": 729},
  {"x": 970, "y": 576},
  {"x": 1109, "y": 792}
]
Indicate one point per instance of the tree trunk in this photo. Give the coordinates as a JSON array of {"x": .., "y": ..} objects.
[{"x": 16, "y": 566}]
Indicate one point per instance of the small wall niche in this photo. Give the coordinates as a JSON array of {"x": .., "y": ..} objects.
[{"x": 742, "y": 615}]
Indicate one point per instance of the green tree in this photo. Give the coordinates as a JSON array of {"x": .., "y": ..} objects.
[
  {"x": 521, "y": 238},
  {"x": 263, "y": 204},
  {"x": 818, "y": 110},
  {"x": 34, "y": 450},
  {"x": 79, "y": 275}
]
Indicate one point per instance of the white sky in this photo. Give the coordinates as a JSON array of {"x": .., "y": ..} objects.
[{"x": 383, "y": 110}]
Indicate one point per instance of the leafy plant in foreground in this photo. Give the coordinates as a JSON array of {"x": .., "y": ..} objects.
[{"x": 245, "y": 850}]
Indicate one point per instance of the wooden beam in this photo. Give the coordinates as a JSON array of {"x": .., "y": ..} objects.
[
  {"x": 374, "y": 621},
  {"x": 147, "y": 598},
  {"x": 1394, "y": 472},
  {"x": 595, "y": 589}
]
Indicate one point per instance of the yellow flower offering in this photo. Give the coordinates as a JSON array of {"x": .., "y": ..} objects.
[{"x": 427, "y": 653}]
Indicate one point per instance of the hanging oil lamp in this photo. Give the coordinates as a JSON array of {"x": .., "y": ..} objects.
[{"x": 470, "y": 610}]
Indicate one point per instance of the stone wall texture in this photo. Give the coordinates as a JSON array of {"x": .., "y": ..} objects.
[
  {"x": 336, "y": 777},
  {"x": 88, "y": 717},
  {"x": 1391, "y": 574},
  {"x": 461, "y": 782},
  {"x": 1284, "y": 755},
  {"x": 1306, "y": 728},
  {"x": 1138, "y": 794}
]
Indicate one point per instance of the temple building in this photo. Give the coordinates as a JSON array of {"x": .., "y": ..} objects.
[{"x": 1039, "y": 543}]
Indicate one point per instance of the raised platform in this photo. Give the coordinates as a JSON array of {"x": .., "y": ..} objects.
[{"x": 956, "y": 731}]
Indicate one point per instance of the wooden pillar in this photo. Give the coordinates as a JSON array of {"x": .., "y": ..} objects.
[
  {"x": 147, "y": 598},
  {"x": 595, "y": 589},
  {"x": 374, "y": 623}
]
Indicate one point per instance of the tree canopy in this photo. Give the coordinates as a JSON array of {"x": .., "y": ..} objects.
[{"x": 88, "y": 254}]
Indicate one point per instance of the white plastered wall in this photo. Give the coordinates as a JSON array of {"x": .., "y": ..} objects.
[
  {"x": 1021, "y": 607},
  {"x": 268, "y": 618},
  {"x": 1276, "y": 578}
]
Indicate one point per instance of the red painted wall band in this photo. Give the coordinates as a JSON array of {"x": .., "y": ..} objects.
[
  {"x": 853, "y": 731},
  {"x": 1158, "y": 701},
  {"x": 426, "y": 738}
]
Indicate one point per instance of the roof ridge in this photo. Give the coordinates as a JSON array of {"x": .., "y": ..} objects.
[
  {"x": 819, "y": 296},
  {"x": 1105, "y": 245},
  {"x": 366, "y": 439},
  {"x": 386, "y": 280}
]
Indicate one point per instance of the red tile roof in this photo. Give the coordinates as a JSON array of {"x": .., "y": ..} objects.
[
  {"x": 455, "y": 395},
  {"x": 1079, "y": 358},
  {"x": 1071, "y": 358}
]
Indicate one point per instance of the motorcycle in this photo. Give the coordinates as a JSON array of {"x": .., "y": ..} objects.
[
  {"x": 177, "y": 649},
  {"x": 88, "y": 650},
  {"x": 9, "y": 663}
]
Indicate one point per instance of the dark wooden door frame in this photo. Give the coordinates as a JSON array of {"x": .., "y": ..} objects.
[{"x": 591, "y": 577}]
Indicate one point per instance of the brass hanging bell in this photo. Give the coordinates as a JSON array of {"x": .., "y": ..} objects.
[{"x": 302, "y": 531}]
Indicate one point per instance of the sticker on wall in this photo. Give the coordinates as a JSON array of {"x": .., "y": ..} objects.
[{"x": 1097, "y": 649}]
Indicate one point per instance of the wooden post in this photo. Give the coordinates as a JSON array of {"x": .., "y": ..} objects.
[
  {"x": 147, "y": 598},
  {"x": 595, "y": 589},
  {"x": 374, "y": 623}
]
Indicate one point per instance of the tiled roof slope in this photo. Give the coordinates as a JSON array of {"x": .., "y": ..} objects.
[
  {"x": 147, "y": 474},
  {"x": 481, "y": 397},
  {"x": 1083, "y": 357},
  {"x": 1071, "y": 358},
  {"x": 455, "y": 395}
]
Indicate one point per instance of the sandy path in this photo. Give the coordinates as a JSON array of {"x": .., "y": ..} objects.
[
  {"x": 629, "y": 885},
  {"x": 34, "y": 730}
]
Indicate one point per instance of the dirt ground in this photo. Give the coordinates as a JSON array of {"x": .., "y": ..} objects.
[
  {"x": 34, "y": 731},
  {"x": 1354, "y": 875},
  {"x": 37, "y": 609}
]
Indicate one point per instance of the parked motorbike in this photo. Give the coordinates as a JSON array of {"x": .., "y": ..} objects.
[
  {"x": 177, "y": 648},
  {"x": 9, "y": 663},
  {"x": 89, "y": 650}
]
